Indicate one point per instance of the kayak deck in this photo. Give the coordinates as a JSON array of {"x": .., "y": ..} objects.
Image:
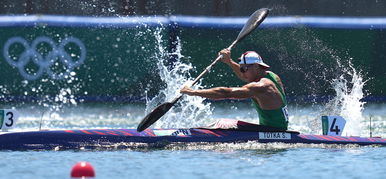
[{"x": 75, "y": 139}]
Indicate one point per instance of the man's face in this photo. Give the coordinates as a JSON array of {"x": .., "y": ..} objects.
[{"x": 249, "y": 71}]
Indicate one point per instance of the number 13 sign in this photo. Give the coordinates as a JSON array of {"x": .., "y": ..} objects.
[{"x": 8, "y": 118}]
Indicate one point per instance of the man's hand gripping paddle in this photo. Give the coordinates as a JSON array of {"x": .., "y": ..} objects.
[{"x": 253, "y": 22}]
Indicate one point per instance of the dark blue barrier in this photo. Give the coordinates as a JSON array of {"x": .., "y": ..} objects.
[{"x": 193, "y": 21}]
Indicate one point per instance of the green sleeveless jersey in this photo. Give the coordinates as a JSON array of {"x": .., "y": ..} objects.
[{"x": 276, "y": 117}]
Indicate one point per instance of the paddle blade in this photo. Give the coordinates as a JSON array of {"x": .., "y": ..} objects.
[
  {"x": 154, "y": 115},
  {"x": 253, "y": 22}
]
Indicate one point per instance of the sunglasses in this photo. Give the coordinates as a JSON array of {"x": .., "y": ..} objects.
[{"x": 245, "y": 68}]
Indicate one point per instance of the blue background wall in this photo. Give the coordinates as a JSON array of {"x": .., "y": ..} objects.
[{"x": 120, "y": 64}]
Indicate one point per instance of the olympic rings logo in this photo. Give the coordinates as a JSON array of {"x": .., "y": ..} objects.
[{"x": 44, "y": 64}]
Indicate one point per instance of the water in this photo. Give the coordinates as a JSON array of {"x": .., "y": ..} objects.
[
  {"x": 274, "y": 161},
  {"x": 246, "y": 160}
]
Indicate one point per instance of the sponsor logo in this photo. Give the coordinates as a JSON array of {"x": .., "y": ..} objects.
[
  {"x": 274, "y": 135},
  {"x": 44, "y": 64},
  {"x": 182, "y": 132},
  {"x": 179, "y": 132}
]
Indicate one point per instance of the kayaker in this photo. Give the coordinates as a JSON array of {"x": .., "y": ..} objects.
[{"x": 263, "y": 87}]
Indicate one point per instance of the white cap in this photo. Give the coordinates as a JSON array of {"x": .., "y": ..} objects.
[{"x": 251, "y": 57}]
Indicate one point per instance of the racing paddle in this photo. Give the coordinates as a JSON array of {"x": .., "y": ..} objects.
[{"x": 254, "y": 20}]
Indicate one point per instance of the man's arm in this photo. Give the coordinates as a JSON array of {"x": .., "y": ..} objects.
[{"x": 247, "y": 91}]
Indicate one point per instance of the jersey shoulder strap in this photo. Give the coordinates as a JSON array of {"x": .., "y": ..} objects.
[{"x": 271, "y": 76}]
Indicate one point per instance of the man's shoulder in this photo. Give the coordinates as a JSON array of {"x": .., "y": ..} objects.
[
  {"x": 263, "y": 83},
  {"x": 266, "y": 81}
]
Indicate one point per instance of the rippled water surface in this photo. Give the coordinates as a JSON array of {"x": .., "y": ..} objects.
[
  {"x": 246, "y": 160},
  {"x": 262, "y": 161}
]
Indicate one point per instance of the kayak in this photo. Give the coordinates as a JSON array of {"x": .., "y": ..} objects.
[
  {"x": 76, "y": 139},
  {"x": 222, "y": 131}
]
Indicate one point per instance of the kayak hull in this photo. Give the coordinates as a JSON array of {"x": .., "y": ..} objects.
[{"x": 76, "y": 139}]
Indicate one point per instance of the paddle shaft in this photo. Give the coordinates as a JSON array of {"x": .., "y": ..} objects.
[{"x": 207, "y": 69}]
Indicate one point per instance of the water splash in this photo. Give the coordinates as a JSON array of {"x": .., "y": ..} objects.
[
  {"x": 260, "y": 148},
  {"x": 348, "y": 88},
  {"x": 347, "y": 102},
  {"x": 325, "y": 71},
  {"x": 191, "y": 111}
]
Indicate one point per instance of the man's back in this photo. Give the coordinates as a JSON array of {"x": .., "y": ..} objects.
[{"x": 269, "y": 97}]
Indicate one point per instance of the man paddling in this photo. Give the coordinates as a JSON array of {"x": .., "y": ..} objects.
[{"x": 263, "y": 87}]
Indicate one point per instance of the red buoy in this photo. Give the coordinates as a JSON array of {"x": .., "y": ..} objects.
[{"x": 82, "y": 169}]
